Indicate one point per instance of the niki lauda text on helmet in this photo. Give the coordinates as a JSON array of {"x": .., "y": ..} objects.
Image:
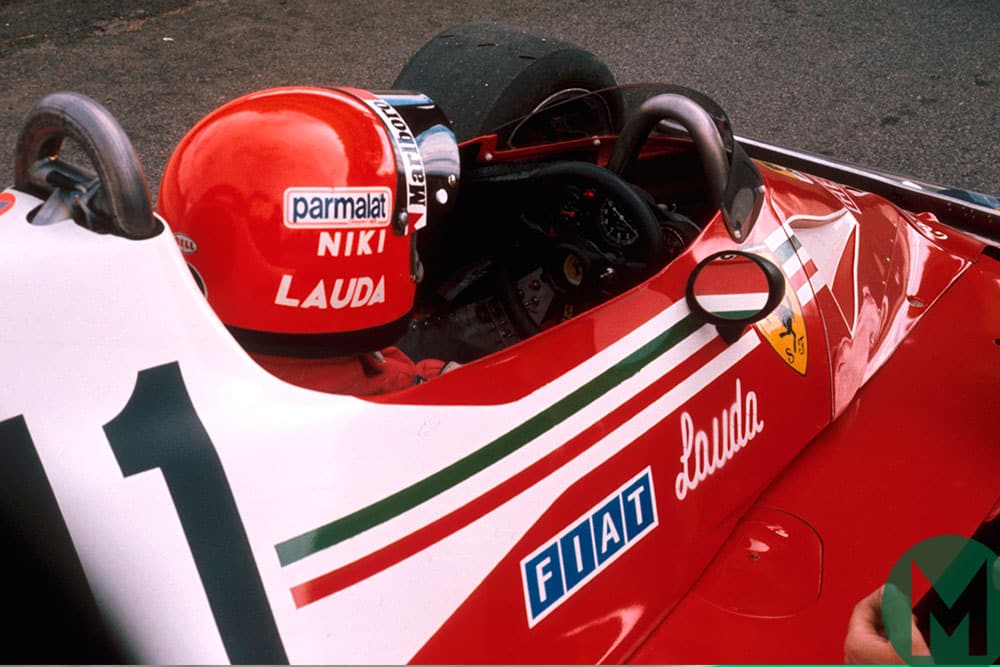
[{"x": 298, "y": 207}]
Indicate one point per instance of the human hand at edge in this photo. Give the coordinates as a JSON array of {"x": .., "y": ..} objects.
[{"x": 867, "y": 641}]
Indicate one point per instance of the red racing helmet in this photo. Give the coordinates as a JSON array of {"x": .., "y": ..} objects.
[{"x": 297, "y": 211}]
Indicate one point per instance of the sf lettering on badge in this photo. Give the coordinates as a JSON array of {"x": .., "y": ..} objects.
[{"x": 567, "y": 562}]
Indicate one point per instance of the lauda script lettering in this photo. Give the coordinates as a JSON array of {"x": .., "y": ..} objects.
[
  {"x": 344, "y": 293},
  {"x": 702, "y": 456}
]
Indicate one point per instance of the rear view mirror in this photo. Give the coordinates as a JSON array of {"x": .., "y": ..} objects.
[{"x": 733, "y": 289}]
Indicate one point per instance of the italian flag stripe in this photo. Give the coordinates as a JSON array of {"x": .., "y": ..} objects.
[
  {"x": 357, "y": 522},
  {"x": 347, "y": 575}
]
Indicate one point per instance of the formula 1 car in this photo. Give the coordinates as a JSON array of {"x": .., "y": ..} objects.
[{"x": 710, "y": 390}]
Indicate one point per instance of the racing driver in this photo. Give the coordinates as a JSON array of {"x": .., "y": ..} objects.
[{"x": 297, "y": 210}]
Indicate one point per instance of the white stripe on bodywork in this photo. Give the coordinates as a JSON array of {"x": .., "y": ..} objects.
[
  {"x": 294, "y": 458},
  {"x": 828, "y": 236},
  {"x": 482, "y": 544}
]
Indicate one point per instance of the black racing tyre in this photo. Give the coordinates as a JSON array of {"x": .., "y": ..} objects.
[
  {"x": 483, "y": 75},
  {"x": 120, "y": 201}
]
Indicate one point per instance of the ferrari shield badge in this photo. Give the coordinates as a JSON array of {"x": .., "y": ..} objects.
[{"x": 785, "y": 330}]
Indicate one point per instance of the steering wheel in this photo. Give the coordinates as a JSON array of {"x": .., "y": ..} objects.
[
  {"x": 609, "y": 237},
  {"x": 115, "y": 199}
]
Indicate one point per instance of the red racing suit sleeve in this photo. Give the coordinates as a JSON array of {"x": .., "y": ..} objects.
[{"x": 364, "y": 375}]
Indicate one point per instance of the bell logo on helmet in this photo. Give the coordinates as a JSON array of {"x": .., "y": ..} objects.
[
  {"x": 337, "y": 207},
  {"x": 349, "y": 293},
  {"x": 186, "y": 243}
]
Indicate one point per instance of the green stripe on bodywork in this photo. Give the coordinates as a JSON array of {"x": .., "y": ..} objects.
[
  {"x": 736, "y": 315},
  {"x": 785, "y": 251},
  {"x": 406, "y": 499}
]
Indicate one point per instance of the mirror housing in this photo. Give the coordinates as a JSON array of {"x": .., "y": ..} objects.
[{"x": 732, "y": 289}]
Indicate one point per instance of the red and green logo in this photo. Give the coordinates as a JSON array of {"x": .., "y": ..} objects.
[{"x": 956, "y": 583}]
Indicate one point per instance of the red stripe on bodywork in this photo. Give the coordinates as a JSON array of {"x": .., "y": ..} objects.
[{"x": 343, "y": 577}]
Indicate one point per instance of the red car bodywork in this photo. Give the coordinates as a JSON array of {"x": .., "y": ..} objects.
[
  {"x": 746, "y": 487},
  {"x": 766, "y": 564}
]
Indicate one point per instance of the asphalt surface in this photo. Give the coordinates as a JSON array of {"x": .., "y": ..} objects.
[{"x": 911, "y": 87}]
